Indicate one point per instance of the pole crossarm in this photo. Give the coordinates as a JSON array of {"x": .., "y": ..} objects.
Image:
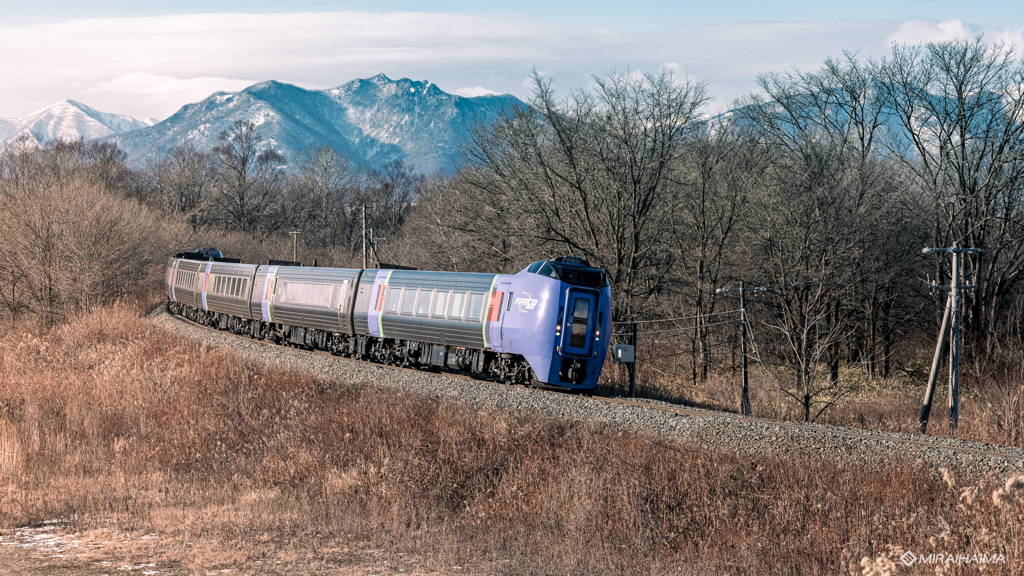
[
  {"x": 954, "y": 249},
  {"x": 744, "y": 289}
]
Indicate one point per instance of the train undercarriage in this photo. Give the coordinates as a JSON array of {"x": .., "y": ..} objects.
[{"x": 508, "y": 368}]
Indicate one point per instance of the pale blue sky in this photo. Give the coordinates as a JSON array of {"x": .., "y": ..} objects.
[
  {"x": 148, "y": 59},
  {"x": 602, "y": 12}
]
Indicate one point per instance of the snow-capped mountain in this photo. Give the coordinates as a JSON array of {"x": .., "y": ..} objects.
[
  {"x": 372, "y": 122},
  {"x": 67, "y": 120}
]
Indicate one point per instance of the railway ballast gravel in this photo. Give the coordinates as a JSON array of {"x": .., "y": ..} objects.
[{"x": 704, "y": 428}]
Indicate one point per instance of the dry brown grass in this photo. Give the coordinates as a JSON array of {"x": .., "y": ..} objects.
[
  {"x": 991, "y": 393},
  {"x": 117, "y": 426}
]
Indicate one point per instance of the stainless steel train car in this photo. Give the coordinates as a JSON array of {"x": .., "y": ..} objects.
[{"x": 548, "y": 324}]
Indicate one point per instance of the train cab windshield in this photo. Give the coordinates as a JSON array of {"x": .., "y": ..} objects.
[{"x": 572, "y": 271}]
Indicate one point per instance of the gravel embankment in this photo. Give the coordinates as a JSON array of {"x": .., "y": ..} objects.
[{"x": 751, "y": 436}]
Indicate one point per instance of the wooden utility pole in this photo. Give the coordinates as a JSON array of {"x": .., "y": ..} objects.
[{"x": 952, "y": 318}]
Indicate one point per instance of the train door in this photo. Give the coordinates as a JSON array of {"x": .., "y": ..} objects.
[
  {"x": 345, "y": 306},
  {"x": 267, "y": 297},
  {"x": 580, "y": 322},
  {"x": 501, "y": 298}
]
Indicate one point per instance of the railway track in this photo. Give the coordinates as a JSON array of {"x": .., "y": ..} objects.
[{"x": 708, "y": 428}]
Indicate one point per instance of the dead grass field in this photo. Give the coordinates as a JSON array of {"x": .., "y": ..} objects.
[
  {"x": 991, "y": 400},
  {"x": 160, "y": 450}
]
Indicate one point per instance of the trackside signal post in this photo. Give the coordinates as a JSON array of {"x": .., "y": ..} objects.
[
  {"x": 951, "y": 320},
  {"x": 626, "y": 353}
]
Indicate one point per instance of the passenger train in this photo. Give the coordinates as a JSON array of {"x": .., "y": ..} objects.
[{"x": 549, "y": 324}]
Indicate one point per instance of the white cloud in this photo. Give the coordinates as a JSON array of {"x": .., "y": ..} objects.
[
  {"x": 151, "y": 66},
  {"x": 163, "y": 92},
  {"x": 915, "y": 32},
  {"x": 113, "y": 59},
  {"x": 474, "y": 91}
]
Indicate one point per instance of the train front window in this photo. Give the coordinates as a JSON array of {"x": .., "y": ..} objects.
[{"x": 580, "y": 315}]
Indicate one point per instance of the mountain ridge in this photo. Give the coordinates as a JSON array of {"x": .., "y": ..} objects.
[
  {"x": 372, "y": 121},
  {"x": 67, "y": 119}
]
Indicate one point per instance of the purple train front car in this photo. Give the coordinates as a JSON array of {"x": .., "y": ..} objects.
[{"x": 558, "y": 319}]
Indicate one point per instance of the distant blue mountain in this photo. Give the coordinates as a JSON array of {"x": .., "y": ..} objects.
[{"x": 373, "y": 122}]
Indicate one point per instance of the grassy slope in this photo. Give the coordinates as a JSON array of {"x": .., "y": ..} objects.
[{"x": 115, "y": 425}]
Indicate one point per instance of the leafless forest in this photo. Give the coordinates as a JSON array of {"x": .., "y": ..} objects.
[{"x": 823, "y": 187}]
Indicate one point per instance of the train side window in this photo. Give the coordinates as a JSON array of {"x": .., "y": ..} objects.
[
  {"x": 394, "y": 296},
  {"x": 409, "y": 301},
  {"x": 441, "y": 304},
  {"x": 423, "y": 305},
  {"x": 234, "y": 286},
  {"x": 458, "y": 305},
  {"x": 475, "y": 306}
]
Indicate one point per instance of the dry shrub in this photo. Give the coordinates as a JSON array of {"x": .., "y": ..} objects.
[
  {"x": 111, "y": 422},
  {"x": 71, "y": 243}
]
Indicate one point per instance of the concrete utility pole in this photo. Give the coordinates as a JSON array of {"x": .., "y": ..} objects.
[
  {"x": 364, "y": 236},
  {"x": 744, "y": 377},
  {"x": 940, "y": 348},
  {"x": 295, "y": 245},
  {"x": 952, "y": 315},
  {"x": 632, "y": 366}
]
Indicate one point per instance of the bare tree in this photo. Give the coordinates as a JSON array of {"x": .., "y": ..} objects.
[
  {"x": 590, "y": 176},
  {"x": 249, "y": 184},
  {"x": 317, "y": 198},
  {"x": 826, "y": 210},
  {"x": 183, "y": 182},
  {"x": 715, "y": 176},
  {"x": 957, "y": 109},
  {"x": 64, "y": 252},
  {"x": 389, "y": 195}
]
